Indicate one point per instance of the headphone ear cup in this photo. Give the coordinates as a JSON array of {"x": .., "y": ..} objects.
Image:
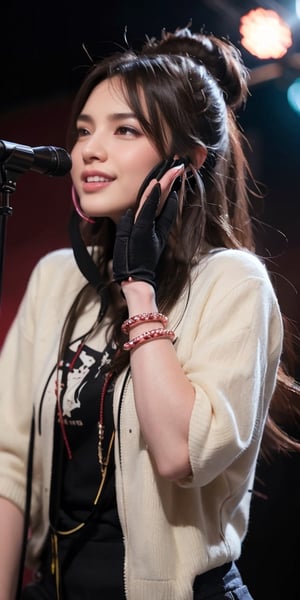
[
  {"x": 159, "y": 170},
  {"x": 155, "y": 173},
  {"x": 180, "y": 161},
  {"x": 178, "y": 181},
  {"x": 177, "y": 184}
]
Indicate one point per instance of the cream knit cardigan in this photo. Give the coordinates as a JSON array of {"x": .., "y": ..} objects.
[{"x": 229, "y": 339}]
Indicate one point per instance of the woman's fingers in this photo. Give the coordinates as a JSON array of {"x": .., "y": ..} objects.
[{"x": 166, "y": 183}]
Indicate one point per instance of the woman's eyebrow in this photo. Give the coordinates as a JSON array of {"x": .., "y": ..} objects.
[
  {"x": 112, "y": 117},
  {"x": 84, "y": 117},
  {"x": 122, "y": 115}
]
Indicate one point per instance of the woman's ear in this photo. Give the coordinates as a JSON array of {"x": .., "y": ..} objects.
[{"x": 199, "y": 156}]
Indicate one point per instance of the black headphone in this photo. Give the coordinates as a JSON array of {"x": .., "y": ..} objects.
[
  {"x": 159, "y": 170},
  {"x": 81, "y": 254}
]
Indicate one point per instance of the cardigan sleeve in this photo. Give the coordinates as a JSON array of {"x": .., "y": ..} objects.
[
  {"x": 232, "y": 365},
  {"x": 24, "y": 365},
  {"x": 16, "y": 398}
]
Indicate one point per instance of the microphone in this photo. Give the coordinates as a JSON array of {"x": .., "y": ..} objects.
[{"x": 46, "y": 160}]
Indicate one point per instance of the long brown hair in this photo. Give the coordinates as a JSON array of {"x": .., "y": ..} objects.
[{"x": 192, "y": 84}]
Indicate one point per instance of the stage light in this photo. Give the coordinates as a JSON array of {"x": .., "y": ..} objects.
[
  {"x": 293, "y": 95},
  {"x": 265, "y": 34}
]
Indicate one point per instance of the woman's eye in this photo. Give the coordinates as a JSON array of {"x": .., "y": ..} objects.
[
  {"x": 126, "y": 130},
  {"x": 81, "y": 132}
]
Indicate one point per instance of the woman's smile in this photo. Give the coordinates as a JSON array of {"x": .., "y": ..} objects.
[{"x": 93, "y": 180}]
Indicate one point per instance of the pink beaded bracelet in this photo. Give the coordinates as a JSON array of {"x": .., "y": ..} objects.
[
  {"x": 143, "y": 318},
  {"x": 149, "y": 336}
]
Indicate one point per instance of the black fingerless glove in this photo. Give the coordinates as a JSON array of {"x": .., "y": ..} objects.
[{"x": 138, "y": 245}]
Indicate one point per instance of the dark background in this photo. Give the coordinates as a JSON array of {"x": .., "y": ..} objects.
[{"x": 42, "y": 61}]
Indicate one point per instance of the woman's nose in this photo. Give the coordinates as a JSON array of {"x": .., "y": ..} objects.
[{"x": 94, "y": 149}]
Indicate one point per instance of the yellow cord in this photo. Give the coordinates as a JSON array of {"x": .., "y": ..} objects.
[
  {"x": 54, "y": 536},
  {"x": 80, "y": 525}
]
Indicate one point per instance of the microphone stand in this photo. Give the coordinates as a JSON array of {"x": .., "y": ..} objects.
[{"x": 10, "y": 170}]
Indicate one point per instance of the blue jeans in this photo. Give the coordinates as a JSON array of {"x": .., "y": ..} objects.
[{"x": 221, "y": 583}]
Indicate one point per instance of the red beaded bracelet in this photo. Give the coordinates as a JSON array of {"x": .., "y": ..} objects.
[
  {"x": 149, "y": 336},
  {"x": 143, "y": 318}
]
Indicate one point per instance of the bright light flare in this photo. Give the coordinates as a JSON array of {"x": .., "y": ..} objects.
[{"x": 265, "y": 34}]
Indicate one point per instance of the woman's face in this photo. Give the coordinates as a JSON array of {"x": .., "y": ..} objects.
[{"x": 111, "y": 156}]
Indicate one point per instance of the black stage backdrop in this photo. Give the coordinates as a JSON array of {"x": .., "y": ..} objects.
[{"x": 41, "y": 63}]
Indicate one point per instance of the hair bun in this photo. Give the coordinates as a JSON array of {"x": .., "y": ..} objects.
[{"x": 218, "y": 55}]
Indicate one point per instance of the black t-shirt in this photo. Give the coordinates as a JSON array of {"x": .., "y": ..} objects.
[{"x": 91, "y": 558}]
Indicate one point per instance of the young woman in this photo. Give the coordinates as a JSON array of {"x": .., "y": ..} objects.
[{"x": 151, "y": 357}]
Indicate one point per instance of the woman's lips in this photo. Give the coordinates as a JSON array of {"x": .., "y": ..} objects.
[{"x": 95, "y": 182}]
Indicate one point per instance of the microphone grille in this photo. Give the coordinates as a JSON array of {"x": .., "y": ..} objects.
[{"x": 62, "y": 163}]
